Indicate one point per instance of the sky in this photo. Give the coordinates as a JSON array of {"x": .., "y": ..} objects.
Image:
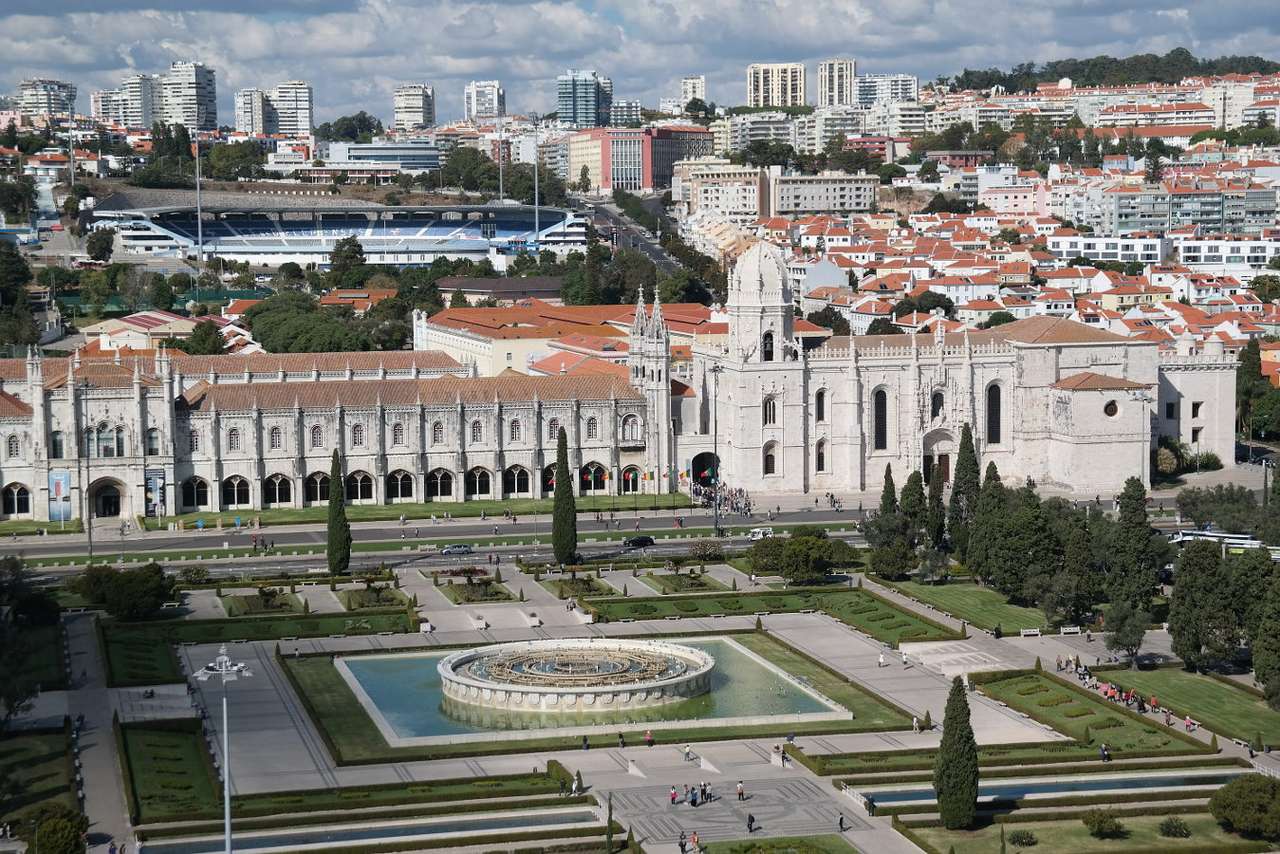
[{"x": 355, "y": 52}]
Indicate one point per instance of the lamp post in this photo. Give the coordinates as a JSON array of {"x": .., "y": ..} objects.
[
  {"x": 229, "y": 671},
  {"x": 537, "y": 155},
  {"x": 716, "y": 370}
]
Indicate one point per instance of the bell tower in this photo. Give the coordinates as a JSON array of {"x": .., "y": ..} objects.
[
  {"x": 649, "y": 360},
  {"x": 760, "y": 306}
]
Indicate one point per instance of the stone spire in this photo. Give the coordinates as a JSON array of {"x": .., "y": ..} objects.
[{"x": 640, "y": 325}]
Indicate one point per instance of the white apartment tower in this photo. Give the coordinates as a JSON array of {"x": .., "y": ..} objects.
[
  {"x": 138, "y": 95},
  {"x": 779, "y": 84},
  {"x": 693, "y": 86},
  {"x": 291, "y": 102},
  {"x": 189, "y": 96},
  {"x": 835, "y": 82},
  {"x": 252, "y": 112},
  {"x": 43, "y": 96},
  {"x": 415, "y": 106},
  {"x": 107, "y": 106},
  {"x": 872, "y": 89},
  {"x": 483, "y": 99}
]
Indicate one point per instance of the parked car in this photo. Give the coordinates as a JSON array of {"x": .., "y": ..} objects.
[
  {"x": 641, "y": 542},
  {"x": 760, "y": 533},
  {"x": 456, "y": 549}
]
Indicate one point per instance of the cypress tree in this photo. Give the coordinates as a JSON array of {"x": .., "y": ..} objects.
[
  {"x": 912, "y": 503},
  {"x": 1266, "y": 646},
  {"x": 935, "y": 520},
  {"x": 564, "y": 520},
  {"x": 339, "y": 527},
  {"x": 964, "y": 495},
  {"x": 889, "y": 495},
  {"x": 1133, "y": 573},
  {"x": 987, "y": 517},
  {"x": 955, "y": 775}
]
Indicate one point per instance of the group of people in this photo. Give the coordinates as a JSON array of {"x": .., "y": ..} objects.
[
  {"x": 1130, "y": 698},
  {"x": 832, "y": 501},
  {"x": 731, "y": 499},
  {"x": 261, "y": 544},
  {"x": 699, "y": 794}
]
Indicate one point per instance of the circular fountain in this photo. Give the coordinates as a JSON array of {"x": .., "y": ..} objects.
[{"x": 575, "y": 675}]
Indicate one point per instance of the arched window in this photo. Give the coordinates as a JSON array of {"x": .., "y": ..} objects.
[
  {"x": 316, "y": 489},
  {"x": 235, "y": 492},
  {"x": 195, "y": 493},
  {"x": 11, "y": 447},
  {"x": 193, "y": 441},
  {"x": 16, "y": 500},
  {"x": 359, "y": 486},
  {"x": 477, "y": 431},
  {"x": 233, "y": 439},
  {"x": 594, "y": 477},
  {"x": 993, "y": 414},
  {"x": 766, "y": 347},
  {"x": 399, "y": 485},
  {"x": 553, "y": 429},
  {"x": 630, "y": 480},
  {"x": 549, "y": 479},
  {"x": 515, "y": 481},
  {"x": 106, "y": 441},
  {"x": 477, "y": 483},
  {"x": 769, "y": 411},
  {"x": 935, "y": 405},
  {"x": 820, "y": 406},
  {"x": 276, "y": 489},
  {"x": 771, "y": 458},
  {"x": 439, "y": 484},
  {"x": 631, "y": 429},
  {"x": 437, "y": 433},
  {"x": 57, "y": 449},
  {"x": 275, "y": 438},
  {"x": 119, "y": 441},
  {"x": 593, "y": 428},
  {"x": 357, "y": 436},
  {"x": 880, "y": 420},
  {"x": 397, "y": 433},
  {"x": 513, "y": 432},
  {"x": 317, "y": 436},
  {"x": 820, "y": 456},
  {"x": 153, "y": 442}
]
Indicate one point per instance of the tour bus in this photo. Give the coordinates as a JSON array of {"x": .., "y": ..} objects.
[{"x": 1231, "y": 543}]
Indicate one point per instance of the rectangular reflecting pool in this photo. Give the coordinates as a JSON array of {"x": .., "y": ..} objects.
[
  {"x": 405, "y": 691},
  {"x": 1047, "y": 786}
]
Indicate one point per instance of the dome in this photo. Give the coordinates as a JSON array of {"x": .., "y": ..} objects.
[{"x": 761, "y": 269}]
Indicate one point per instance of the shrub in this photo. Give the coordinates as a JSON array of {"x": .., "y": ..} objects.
[
  {"x": 1249, "y": 804},
  {"x": 1102, "y": 824},
  {"x": 1174, "y": 828},
  {"x": 1022, "y": 838}
]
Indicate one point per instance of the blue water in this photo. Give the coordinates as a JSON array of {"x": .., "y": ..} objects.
[
  {"x": 406, "y": 689},
  {"x": 370, "y": 834},
  {"x": 1013, "y": 791}
]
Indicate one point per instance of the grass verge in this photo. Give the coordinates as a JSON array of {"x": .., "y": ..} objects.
[
  {"x": 38, "y": 765},
  {"x": 828, "y": 843},
  {"x": 978, "y": 606},
  {"x": 1219, "y": 705},
  {"x": 1071, "y": 837}
]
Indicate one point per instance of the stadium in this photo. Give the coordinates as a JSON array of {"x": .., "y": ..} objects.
[{"x": 272, "y": 232}]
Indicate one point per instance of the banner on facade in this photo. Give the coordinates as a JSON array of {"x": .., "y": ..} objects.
[
  {"x": 155, "y": 492},
  {"x": 59, "y": 495}
]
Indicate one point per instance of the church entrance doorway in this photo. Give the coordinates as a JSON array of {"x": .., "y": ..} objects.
[
  {"x": 106, "y": 500},
  {"x": 704, "y": 469},
  {"x": 939, "y": 450},
  {"x": 942, "y": 461}
]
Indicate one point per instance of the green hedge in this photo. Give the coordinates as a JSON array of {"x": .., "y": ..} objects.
[
  {"x": 1081, "y": 767},
  {"x": 522, "y": 836},
  {"x": 1107, "y": 798}
]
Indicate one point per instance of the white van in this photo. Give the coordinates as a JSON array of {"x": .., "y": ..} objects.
[{"x": 760, "y": 533}]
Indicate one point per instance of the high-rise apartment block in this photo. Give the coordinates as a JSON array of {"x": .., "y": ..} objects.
[
  {"x": 583, "y": 98},
  {"x": 878, "y": 88},
  {"x": 285, "y": 109},
  {"x": 186, "y": 96},
  {"x": 483, "y": 99},
  {"x": 835, "y": 82},
  {"x": 694, "y": 86},
  {"x": 415, "y": 106},
  {"x": 42, "y": 96},
  {"x": 625, "y": 113},
  {"x": 779, "y": 84}
]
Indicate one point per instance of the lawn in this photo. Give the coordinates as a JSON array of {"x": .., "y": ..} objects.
[
  {"x": 683, "y": 583},
  {"x": 170, "y": 774},
  {"x": 140, "y": 653},
  {"x": 353, "y": 738},
  {"x": 577, "y": 587},
  {"x": 27, "y": 527},
  {"x": 476, "y": 592},
  {"x": 43, "y": 664},
  {"x": 1223, "y": 708},
  {"x": 858, "y": 608},
  {"x": 826, "y": 844},
  {"x": 270, "y": 601},
  {"x": 978, "y": 606},
  {"x": 393, "y": 512},
  {"x": 372, "y": 598},
  {"x": 39, "y": 765},
  {"x": 1085, "y": 716},
  {"x": 1070, "y": 837}
]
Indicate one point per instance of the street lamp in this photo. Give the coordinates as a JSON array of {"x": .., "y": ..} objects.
[
  {"x": 716, "y": 370},
  {"x": 228, "y": 671}
]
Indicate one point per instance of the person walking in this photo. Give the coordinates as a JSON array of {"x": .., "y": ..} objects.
[
  {"x": 742, "y": 792},
  {"x": 648, "y": 738},
  {"x": 694, "y": 840},
  {"x": 683, "y": 843},
  {"x": 688, "y": 753},
  {"x": 673, "y": 794},
  {"x": 880, "y": 660},
  {"x": 840, "y": 824},
  {"x": 751, "y": 823},
  {"x": 915, "y": 724}
]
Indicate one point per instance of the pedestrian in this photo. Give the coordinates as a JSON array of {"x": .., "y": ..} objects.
[
  {"x": 742, "y": 796},
  {"x": 686, "y": 793},
  {"x": 840, "y": 823},
  {"x": 694, "y": 840},
  {"x": 684, "y": 843},
  {"x": 621, "y": 743},
  {"x": 904, "y": 659},
  {"x": 562, "y": 787},
  {"x": 648, "y": 738},
  {"x": 688, "y": 753},
  {"x": 585, "y": 745},
  {"x": 915, "y": 724},
  {"x": 693, "y": 798},
  {"x": 1168, "y": 718},
  {"x": 880, "y": 660},
  {"x": 1188, "y": 723},
  {"x": 673, "y": 796},
  {"x": 751, "y": 823}
]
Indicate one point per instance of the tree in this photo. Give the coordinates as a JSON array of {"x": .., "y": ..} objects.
[
  {"x": 138, "y": 594},
  {"x": 997, "y": 318},
  {"x": 1128, "y": 627},
  {"x": 360, "y": 127},
  {"x": 883, "y": 326},
  {"x": 584, "y": 180},
  {"x": 964, "y": 494},
  {"x": 804, "y": 558},
  {"x": 935, "y": 520},
  {"x": 832, "y": 319},
  {"x": 912, "y": 504},
  {"x": 766, "y": 555},
  {"x": 564, "y": 519},
  {"x": 1071, "y": 592},
  {"x": 955, "y": 773},
  {"x": 1266, "y": 645},
  {"x": 235, "y": 160},
  {"x": 928, "y": 172},
  {"x": 347, "y": 258},
  {"x": 59, "y": 835},
  {"x": 160, "y": 293},
  {"x": 100, "y": 244},
  {"x": 1249, "y": 804},
  {"x": 888, "y": 493},
  {"x": 206, "y": 340},
  {"x": 1135, "y": 556},
  {"x": 1202, "y": 624},
  {"x": 339, "y": 528},
  {"x": 17, "y": 323},
  {"x": 458, "y": 299},
  {"x": 988, "y": 515}
]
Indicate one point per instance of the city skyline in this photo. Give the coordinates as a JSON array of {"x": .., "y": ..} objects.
[{"x": 355, "y": 57}]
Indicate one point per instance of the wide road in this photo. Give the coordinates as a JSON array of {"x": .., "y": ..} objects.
[{"x": 632, "y": 235}]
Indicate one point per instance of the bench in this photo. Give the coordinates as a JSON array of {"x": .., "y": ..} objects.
[
  {"x": 1030, "y": 633},
  {"x": 290, "y": 638},
  {"x": 1069, "y": 630}
]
